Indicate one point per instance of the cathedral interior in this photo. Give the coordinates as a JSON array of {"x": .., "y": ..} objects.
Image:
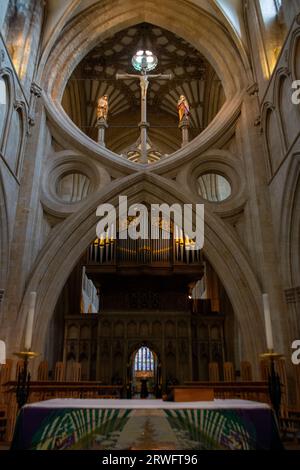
[{"x": 165, "y": 102}]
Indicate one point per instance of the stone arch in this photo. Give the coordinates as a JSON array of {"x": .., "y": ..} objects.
[
  {"x": 288, "y": 113},
  {"x": 65, "y": 246},
  {"x": 156, "y": 329},
  {"x": 67, "y": 12},
  {"x": 7, "y": 76},
  {"x": 272, "y": 138},
  {"x": 84, "y": 31},
  {"x": 15, "y": 141},
  {"x": 290, "y": 251},
  {"x": 290, "y": 226},
  {"x": 170, "y": 329},
  {"x": 97, "y": 22},
  {"x": 4, "y": 236},
  {"x": 119, "y": 329},
  {"x": 144, "y": 329},
  {"x": 137, "y": 345},
  {"x": 5, "y": 102},
  {"x": 294, "y": 56},
  {"x": 106, "y": 328},
  {"x": 132, "y": 329},
  {"x": 182, "y": 328},
  {"x": 73, "y": 331}
]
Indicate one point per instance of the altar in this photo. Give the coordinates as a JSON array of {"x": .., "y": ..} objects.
[{"x": 112, "y": 424}]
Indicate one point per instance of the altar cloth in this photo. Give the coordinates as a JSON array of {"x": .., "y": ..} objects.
[
  {"x": 112, "y": 424},
  {"x": 144, "y": 404}
]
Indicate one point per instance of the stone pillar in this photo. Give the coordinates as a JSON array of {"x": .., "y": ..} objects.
[
  {"x": 262, "y": 238},
  {"x": 184, "y": 126},
  {"x": 26, "y": 235},
  {"x": 101, "y": 126}
]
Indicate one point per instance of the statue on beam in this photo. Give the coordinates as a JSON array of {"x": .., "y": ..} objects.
[
  {"x": 102, "y": 113},
  {"x": 102, "y": 108},
  {"x": 183, "y": 109}
]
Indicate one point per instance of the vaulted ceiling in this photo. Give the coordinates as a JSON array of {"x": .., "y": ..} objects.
[{"x": 193, "y": 77}]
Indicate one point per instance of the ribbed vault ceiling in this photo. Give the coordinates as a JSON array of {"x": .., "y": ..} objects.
[{"x": 95, "y": 76}]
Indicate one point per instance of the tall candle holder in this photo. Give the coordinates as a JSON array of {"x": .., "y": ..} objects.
[
  {"x": 23, "y": 381},
  {"x": 274, "y": 383}
]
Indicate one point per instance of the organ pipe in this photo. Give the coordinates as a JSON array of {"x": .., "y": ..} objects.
[{"x": 108, "y": 249}]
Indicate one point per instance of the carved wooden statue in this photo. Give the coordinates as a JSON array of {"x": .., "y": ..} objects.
[
  {"x": 102, "y": 108},
  {"x": 183, "y": 108}
]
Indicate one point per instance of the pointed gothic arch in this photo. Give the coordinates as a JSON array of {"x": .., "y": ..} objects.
[{"x": 69, "y": 240}]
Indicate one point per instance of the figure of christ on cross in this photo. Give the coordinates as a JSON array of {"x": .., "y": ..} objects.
[{"x": 144, "y": 82}]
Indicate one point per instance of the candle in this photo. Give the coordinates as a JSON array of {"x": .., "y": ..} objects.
[
  {"x": 2, "y": 352},
  {"x": 268, "y": 324},
  {"x": 29, "y": 324}
]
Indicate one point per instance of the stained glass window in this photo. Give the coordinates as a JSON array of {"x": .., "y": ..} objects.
[{"x": 144, "y": 360}]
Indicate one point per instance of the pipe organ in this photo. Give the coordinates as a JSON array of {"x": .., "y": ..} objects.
[{"x": 166, "y": 249}]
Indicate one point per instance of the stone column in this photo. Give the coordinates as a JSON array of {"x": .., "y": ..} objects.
[
  {"x": 101, "y": 126},
  {"x": 184, "y": 126},
  {"x": 262, "y": 237}
]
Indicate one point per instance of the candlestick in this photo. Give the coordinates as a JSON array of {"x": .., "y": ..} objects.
[
  {"x": 23, "y": 382},
  {"x": 268, "y": 324},
  {"x": 2, "y": 352},
  {"x": 30, "y": 318},
  {"x": 273, "y": 381}
]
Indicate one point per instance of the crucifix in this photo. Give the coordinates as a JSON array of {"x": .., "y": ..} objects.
[{"x": 144, "y": 61}]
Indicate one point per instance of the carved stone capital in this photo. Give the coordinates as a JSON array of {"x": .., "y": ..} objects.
[{"x": 101, "y": 122}]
